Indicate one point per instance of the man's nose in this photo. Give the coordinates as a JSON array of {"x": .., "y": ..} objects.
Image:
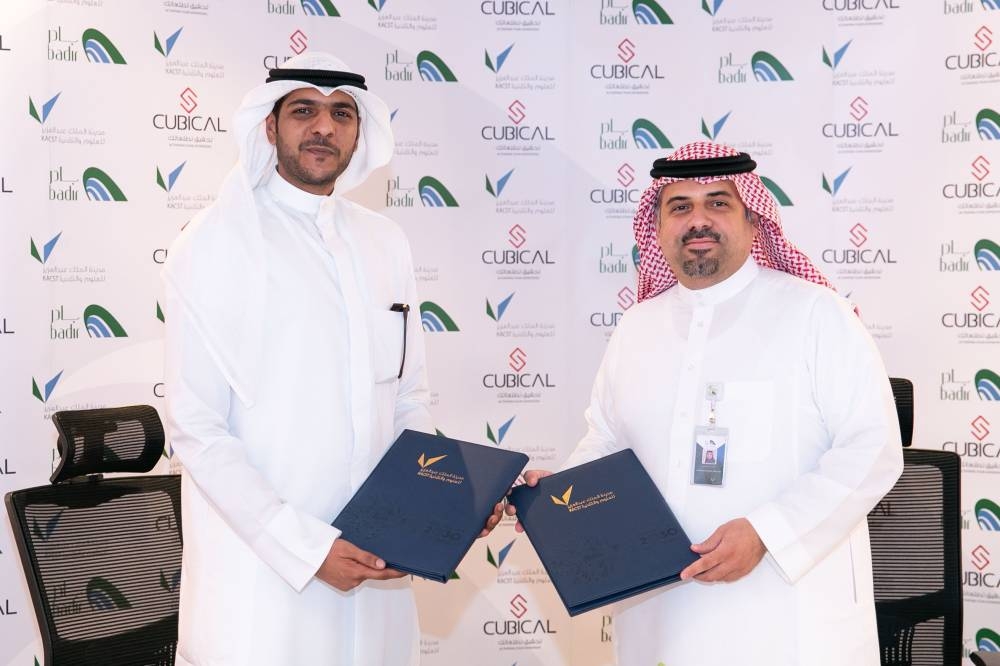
[{"x": 323, "y": 124}]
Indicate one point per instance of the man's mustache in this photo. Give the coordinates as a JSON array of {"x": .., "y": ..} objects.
[
  {"x": 704, "y": 232},
  {"x": 322, "y": 143}
]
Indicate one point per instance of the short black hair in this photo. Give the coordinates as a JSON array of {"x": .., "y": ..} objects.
[{"x": 276, "y": 109}]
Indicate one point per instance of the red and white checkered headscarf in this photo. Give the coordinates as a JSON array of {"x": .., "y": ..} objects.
[{"x": 770, "y": 247}]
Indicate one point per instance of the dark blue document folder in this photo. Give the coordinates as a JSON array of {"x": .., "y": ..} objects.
[
  {"x": 426, "y": 502},
  {"x": 603, "y": 531}
]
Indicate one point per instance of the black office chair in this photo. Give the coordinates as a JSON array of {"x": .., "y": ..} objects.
[
  {"x": 102, "y": 556},
  {"x": 917, "y": 554}
]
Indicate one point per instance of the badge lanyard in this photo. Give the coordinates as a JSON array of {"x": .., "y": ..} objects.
[{"x": 710, "y": 444}]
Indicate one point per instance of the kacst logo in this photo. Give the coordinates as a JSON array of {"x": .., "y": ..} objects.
[
  {"x": 167, "y": 45},
  {"x": 495, "y": 64},
  {"x": 501, "y": 183},
  {"x": 833, "y": 61},
  {"x": 45, "y": 392},
  {"x": 498, "y": 313},
  {"x": 167, "y": 183},
  {"x": 501, "y": 555},
  {"x": 497, "y": 436},
  {"x": 43, "y": 256},
  {"x": 46, "y": 109},
  {"x": 833, "y": 186},
  {"x": 713, "y": 132}
]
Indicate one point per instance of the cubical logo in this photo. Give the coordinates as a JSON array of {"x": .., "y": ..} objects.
[
  {"x": 980, "y": 169},
  {"x": 496, "y": 64},
  {"x": 434, "y": 194},
  {"x": 713, "y": 132},
  {"x": 46, "y": 109},
  {"x": 433, "y": 68},
  {"x": 167, "y": 45},
  {"x": 515, "y": 111},
  {"x": 988, "y": 515},
  {"x": 100, "y": 187},
  {"x": 319, "y": 8},
  {"x": 833, "y": 185},
  {"x": 434, "y": 319},
  {"x": 45, "y": 392},
  {"x": 979, "y": 58},
  {"x": 101, "y": 323},
  {"x": 99, "y": 48},
  {"x": 497, "y": 314},
  {"x": 102, "y": 595},
  {"x": 988, "y": 384},
  {"x": 624, "y": 299},
  {"x": 624, "y": 177},
  {"x": 988, "y": 124},
  {"x": 980, "y": 298},
  {"x": 517, "y": 236},
  {"x": 168, "y": 183},
  {"x": 648, "y": 136},
  {"x": 517, "y": 359},
  {"x": 859, "y": 110},
  {"x": 768, "y": 68},
  {"x": 834, "y": 61},
  {"x": 625, "y": 69},
  {"x": 500, "y": 184},
  {"x": 980, "y": 427},
  {"x": 501, "y": 555},
  {"x": 43, "y": 256},
  {"x": 711, "y": 7},
  {"x": 298, "y": 42},
  {"x": 987, "y": 255},
  {"x": 498, "y": 435},
  {"x": 649, "y": 12}
]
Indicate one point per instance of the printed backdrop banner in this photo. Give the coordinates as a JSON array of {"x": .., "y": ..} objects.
[{"x": 525, "y": 130}]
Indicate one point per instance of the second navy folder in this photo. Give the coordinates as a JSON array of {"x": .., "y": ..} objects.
[
  {"x": 426, "y": 502},
  {"x": 603, "y": 531}
]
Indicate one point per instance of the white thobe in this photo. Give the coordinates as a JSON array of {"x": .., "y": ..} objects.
[
  {"x": 263, "y": 483},
  {"x": 813, "y": 445}
]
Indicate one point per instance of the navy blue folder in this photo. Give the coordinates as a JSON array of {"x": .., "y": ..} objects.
[
  {"x": 426, "y": 502},
  {"x": 603, "y": 531}
]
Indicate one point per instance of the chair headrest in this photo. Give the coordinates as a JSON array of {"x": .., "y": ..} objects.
[
  {"x": 902, "y": 391},
  {"x": 97, "y": 441}
]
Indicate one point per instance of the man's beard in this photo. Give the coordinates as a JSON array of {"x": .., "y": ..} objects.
[
  {"x": 291, "y": 165},
  {"x": 700, "y": 266}
]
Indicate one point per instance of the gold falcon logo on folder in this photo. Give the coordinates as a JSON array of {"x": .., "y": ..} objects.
[
  {"x": 564, "y": 501},
  {"x": 427, "y": 462}
]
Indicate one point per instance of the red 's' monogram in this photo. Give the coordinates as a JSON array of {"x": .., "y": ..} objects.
[
  {"x": 859, "y": 234},
  {"x": 298, "y": 42},
  {"x": 626, "y": 50},
  {"x": 859, "y": 108},
  {"x": 980, "y": 557},
  {"x": 626, "y": 298},
  {"x": 517, "y": 359},
  {"x": 980, "y": 168},
  {"x": 516, "y": 111},
  {"x": 517, "y": 236},
  {"x": 980, "y": 298},
  {"x": 189, "y": 100},
  {"x": 983, "y": 38},
  {"x": 626, "y": 175},
  {"x": 980, "y": 428},
  {"x": 518, "y": 606}
]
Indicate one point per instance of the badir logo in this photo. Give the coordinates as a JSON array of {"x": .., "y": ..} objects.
[
  {"x": 99, "y": 48},
  {"x": 648, "y": 136},
  {"x": 778, "y": 193},
  {"x": 101, "y": 323},
  {"x": 49, "y": 387},
  {"x": 768, "y": 68},
  {"x": 838, "y": 55},
  {"x": 319, "y": 8},
  {"x": 987, "y": 255},
  {"x": 46, "y": 249},
  {"x": 434, "y": 194},
  {"x": 501, "y": 432},
  {"x": 100, "y": 187},
  {"x": 836, "y": 183},
  {"x": 988, "y": 124},
  {"x": 426, "y": 462},
  {"x": 649, "y": 12},
  {"x": 988, "y": 384},
  {"x": 716, "y": 127},
  {"x": 988, "y": 640},
  {"x": 500, "y": 557},
  {"x": 988, "y": 515},
  {"x": 496, "y": 64},
  {"x": 501, "y": 183},
  {"x": 102, "y": 595},
  {"x": 168, "y": 184},
  {"x": 434, "y": 319},
  {"x": 433, "y": 68},
  {"x": 166, "y": 46},
  {"x": 497, "y": 315},
  {"x": 564, "y": 499},
  {"x": 711, "y": 6},
  {"x": 46, "y": 109}
]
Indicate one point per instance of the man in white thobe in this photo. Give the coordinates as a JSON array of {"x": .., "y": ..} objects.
[
  {"x": 738, "y": 335},
  {"x": 292, "y": 364}
]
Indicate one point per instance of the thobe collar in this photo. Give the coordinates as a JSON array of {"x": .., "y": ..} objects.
[
  {"x": 722, "y": 291},
  {"x": 294, "y": 197}
]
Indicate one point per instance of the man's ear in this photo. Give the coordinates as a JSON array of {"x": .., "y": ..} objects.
[{"x": 271, "y": 126}]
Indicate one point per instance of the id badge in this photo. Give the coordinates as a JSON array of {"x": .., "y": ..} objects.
[{"x": 710, "y": 445}]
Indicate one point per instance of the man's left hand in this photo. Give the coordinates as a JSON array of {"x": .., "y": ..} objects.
[
  {"x": 493, "y": 520},
  {"x": 731, "y": 552}
]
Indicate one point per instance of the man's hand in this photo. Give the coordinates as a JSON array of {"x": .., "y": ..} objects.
[
  {"x": 493, "y": 520},
  {"x": 731, "y": 552},
  {"x": 531, "y": 478},
  {"x": 346, "y": 566}
]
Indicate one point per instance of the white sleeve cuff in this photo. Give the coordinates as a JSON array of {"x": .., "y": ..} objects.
[
  {"x": 788, "y": 555},
  {"x": 295, "y": 544}
]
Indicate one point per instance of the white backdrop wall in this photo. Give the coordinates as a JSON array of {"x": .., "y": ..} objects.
[{"x": 535, "y": 122}]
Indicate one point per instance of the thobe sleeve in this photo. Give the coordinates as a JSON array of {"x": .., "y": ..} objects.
[
  {"x": 864, "y": 458},
  {"x": 601, "y": 439},
  {"x": 413, "y": 397},
  {"x": 290, "y": 541}
]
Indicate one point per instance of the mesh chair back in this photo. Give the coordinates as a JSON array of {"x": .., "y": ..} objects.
[
  {"x": 102, "y": 557},
  {"x": 916, "y": 557}
]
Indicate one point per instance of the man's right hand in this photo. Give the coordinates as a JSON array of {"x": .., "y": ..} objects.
[
  {"x": 531, "y": 478},
  {"x": 346, "y": 566}
]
